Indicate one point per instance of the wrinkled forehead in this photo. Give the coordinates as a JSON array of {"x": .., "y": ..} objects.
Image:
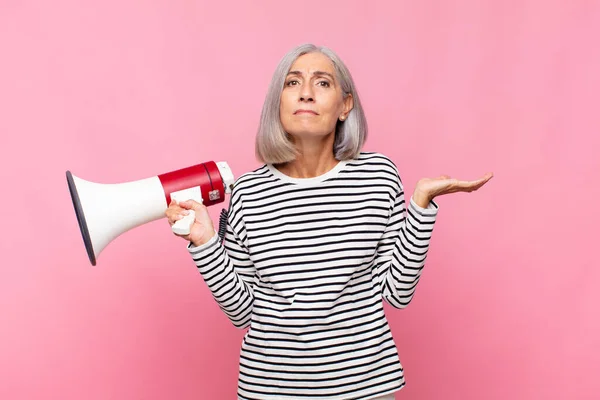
[{"x": 313, "y": 64}]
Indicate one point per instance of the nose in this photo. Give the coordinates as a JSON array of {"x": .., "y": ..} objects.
[{"x": 307, "y": 94}]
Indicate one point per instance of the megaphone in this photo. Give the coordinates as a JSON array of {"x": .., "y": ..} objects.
[{"x": 105, "y": 211}]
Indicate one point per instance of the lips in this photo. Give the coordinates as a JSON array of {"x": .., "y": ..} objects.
[{"x": 305, "y": 112}]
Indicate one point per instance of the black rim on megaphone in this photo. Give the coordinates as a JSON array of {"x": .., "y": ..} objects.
[{"x": 85, "y": 233}]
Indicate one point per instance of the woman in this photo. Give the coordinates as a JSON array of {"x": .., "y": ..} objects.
[{"x": 316, "y": 238}]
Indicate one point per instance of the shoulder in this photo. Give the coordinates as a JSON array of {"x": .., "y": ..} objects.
[
  {"x": 248, "y": 179},
  {"x": 370, "y": 157},
  {"x": 250, "y": 182},
  {"x": 378, "y": 162}
]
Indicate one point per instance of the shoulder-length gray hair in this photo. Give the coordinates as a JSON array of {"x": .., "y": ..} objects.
[{"x": 272, "y": 143}]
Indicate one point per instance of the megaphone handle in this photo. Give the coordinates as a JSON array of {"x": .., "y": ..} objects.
[{"x": 183, "y": 226}]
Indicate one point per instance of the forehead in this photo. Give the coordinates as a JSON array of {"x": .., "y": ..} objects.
[{"x": 308, "y": 63}]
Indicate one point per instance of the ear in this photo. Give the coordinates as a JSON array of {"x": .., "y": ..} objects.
[{"x": 348, "y": 105}]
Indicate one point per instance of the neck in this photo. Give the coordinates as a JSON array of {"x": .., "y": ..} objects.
[{"x": 315, "y": 158}]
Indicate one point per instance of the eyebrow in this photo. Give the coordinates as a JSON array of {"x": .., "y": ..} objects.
[{"x": 317, "y": 73}]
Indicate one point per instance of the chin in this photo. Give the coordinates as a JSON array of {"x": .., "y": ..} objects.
[{"x": 309, "y": 131}]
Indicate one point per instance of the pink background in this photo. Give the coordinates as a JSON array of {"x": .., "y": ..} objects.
[{"x": 509, "y": 305}]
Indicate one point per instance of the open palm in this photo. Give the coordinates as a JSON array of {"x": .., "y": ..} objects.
[{"x": 433, "y": 187}]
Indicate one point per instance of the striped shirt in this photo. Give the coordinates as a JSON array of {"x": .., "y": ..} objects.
[{"x": 305, "y": 264}]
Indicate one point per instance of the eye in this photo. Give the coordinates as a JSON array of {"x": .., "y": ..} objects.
[
  {"x": 324, "y": 83},
  {"x": 291, "y": 82}
]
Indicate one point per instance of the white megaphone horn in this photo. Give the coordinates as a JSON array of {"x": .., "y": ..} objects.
[{"x": 105, "y": 211}]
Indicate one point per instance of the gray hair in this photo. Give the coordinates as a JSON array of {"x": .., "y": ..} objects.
[{"x": 272, "y": 143}]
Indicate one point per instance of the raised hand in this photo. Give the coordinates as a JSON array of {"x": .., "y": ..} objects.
[{"x": 429, "y": 188}]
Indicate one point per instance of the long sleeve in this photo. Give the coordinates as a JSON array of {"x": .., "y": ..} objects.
[
  {"x": 403, "y": 249},
  {"x": 227, "y": 269},
  {"x": 311, "y": 264}
]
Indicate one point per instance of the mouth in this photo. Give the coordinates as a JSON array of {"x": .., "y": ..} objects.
[{"x": 305, "y": 112}]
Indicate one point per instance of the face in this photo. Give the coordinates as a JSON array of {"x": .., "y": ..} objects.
[{"x": 312, "y": 100}]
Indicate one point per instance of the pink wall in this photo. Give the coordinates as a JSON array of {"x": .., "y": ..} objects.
[{"x": 508, "y": 307}]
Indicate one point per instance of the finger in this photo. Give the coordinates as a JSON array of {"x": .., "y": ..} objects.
[
  {"x": 465, "y": 186},
  {"x": 181, "y": 213},
  {"x": 174, "y": 210},
  {"x": 470, "y": 186},
  {"x": 486, "y": 177},
  {"x": 482, "y": 181},
  {"x": 190, "y": 204},
  {"x": 173, "y": 206},
  {"x": 171, "y": 219},
  {"x": 175, "y": 217},
  {"x": 177, "y": 209},
  {"x": 187, "y": 204}
]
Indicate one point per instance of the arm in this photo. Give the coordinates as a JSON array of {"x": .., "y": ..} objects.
[
  {"x": 227, "y": 269},
  {"x": 403, "y": 249}
]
